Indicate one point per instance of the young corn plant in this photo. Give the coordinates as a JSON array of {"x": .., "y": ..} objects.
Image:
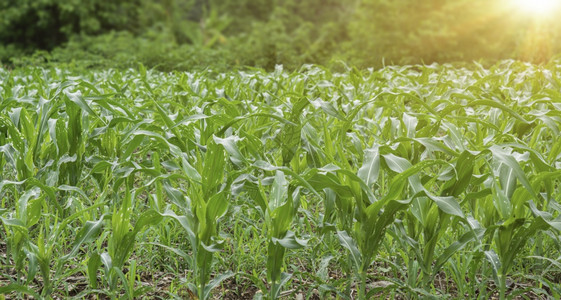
[
  {"x": 521, "y": 220},
  {"x": 279, "y": 213},
  {"x": 17, "y": 226},
  {"x": 120, "y": 243},
  {"x": 206, "y": 204}
]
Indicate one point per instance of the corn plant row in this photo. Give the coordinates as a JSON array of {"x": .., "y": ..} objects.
[{"x": 396, "y": 179}]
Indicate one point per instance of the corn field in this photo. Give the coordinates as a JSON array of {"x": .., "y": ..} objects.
[{"x": 406, "y": 182}]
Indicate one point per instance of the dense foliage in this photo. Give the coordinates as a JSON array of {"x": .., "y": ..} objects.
[
  {"x": 30, "y": 24},
  {"x": 407, "y": 182},
  {"x": 183, "y": 35}
]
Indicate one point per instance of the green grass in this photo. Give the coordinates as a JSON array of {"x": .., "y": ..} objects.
[{"x": 410, "y": 182}]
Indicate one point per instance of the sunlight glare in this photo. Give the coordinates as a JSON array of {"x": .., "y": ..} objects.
[{"x": 537, "y": 7}]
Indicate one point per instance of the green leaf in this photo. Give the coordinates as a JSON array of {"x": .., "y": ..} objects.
[
  {"x": 410, "y": 124},
  {"x": 191, "y": 172},
  {"x": 370, "y": 167},
  {"x": 230, "y": 144},
  {"x": 215, "y": 246},
  {"x": 148, "y": 218},
  {"x": 79, "y": 100},
  {"x": 282, "y": 218},
  {"x": 76, "y": 190},
  {"x": 503, "y": 157},
  {"x": 502, "y": 202},
  {"x": 176, "y": 196},
  {"x": 128, "y": 292},
  {"x": 213, "y": 168},
  {"x": 328, "y": 108},
  {"x": 546, "y": 216},
  {"x": 458, "y": 245},
  {"x": 217, "y": 206},
  {"x": 284, "y": 278},
  {"x": 447, "y": 204},
  {"x": 268, "y": 167},
  {"x": 14, "y": 287},
  {"x": 290, "y": 241},
  {"x": 32, "y": 266},
  {"x": 493, "y": 258},
  {"x": 107, "y": 262},
  {"x": 279, "y": 191},
  {"x": 94, "y": 262},
  {"x": 322, "y": 181},
  {"x": 397, "y": 164},
  {"x": 215, "y": 282},
  {"x": 464, "y": 171},
  {"x": 184, "y": 221},
  {"x": 347, "y": 242},
  {"x": 499, "y": 106},
  {"x": 87, "y": 233}
]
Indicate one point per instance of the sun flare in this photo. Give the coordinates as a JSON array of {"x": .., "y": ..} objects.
[{"x": 537, "y": 7}]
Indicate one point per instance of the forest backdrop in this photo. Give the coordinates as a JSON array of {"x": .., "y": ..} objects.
[{"x": 221, "y": 34}]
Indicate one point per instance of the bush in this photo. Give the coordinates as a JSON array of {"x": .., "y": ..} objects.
[
  {"x": 123, "y": 50},
  {"x": 32, "y": 24}
]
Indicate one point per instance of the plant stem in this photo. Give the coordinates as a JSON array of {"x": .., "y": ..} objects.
[
  {"x": 502, "y": 287},
  {"x": 201, "y": 289},
  {"x": 361, "y": 292}
]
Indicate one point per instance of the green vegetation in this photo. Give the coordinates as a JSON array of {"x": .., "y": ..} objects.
[
  {"x": 266, "y": 149},
  {"x": 413, "y": 181},
  {"x": 224, "y": 34}
]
